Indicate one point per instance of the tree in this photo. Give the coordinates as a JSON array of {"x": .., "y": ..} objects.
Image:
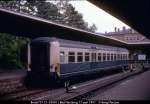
[
  {"x": 9, "y": 51},
  {"x": 30, "y": 6},
  {"x": 69, "y": 16},
  {"x": 62, "y": 12},
  {"x": 92, "y": 28},
  {"x": 47, "y": 10},
  {"x": 13, "y": 4}
]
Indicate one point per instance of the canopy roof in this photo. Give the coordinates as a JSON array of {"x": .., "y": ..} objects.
[{"x": 32, "y": 27}]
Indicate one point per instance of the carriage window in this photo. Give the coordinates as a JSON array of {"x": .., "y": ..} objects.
[
  {"x": 112, "y": 57},
  {"x": 104, "y": 57},
  {"x": 62, "y": 57},
  {"x": 93, "y": 57},
  {"x": 124, "y": 56},
  {"x": 115, "y": 57},
  {"x": 79, "y": 56},
  {"x": 87, "y": 57},
  {"x": 121, "y": 56},
  {"x": 71, "y": 57},
  {"x": 118, "y": 56},
  {"x": 108, "y": 57},
  {"x": 99, "y": 56}
]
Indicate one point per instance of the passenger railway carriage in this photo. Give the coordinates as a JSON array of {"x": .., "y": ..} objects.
[{"x": 54, "y": 58}]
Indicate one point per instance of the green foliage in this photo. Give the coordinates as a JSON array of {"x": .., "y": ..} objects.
[
  {"x": 93, "y": 28},
  {"x": 61, "y": 12},
  {"x": 47, "y": 10},
  {"x": 72, "y": 17},
  {"x": 10, "y": 51},
  {"x": 11, "y": 4}
]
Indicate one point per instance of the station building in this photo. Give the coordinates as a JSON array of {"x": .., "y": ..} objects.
[
  {"x": 127, "y": 35},
  {"x": 130, "y": 36}
]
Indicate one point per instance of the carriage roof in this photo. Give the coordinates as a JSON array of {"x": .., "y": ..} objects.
[{"x": 78, "y": 44}]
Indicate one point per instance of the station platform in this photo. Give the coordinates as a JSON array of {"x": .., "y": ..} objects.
[
  {"x": 12, "y": 74},
  {"x": 134, "y": 88}
]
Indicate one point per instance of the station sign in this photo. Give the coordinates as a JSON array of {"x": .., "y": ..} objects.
[{"x": 141, "y": 57}]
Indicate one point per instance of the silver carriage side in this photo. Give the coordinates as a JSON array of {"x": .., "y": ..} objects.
[{"x": 52, "y": 59}]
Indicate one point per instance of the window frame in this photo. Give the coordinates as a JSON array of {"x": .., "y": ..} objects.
[
  {"x": 99, "y": 57},
  {"x": 79, "y": 55},
  {"x": 87, "y": 54},
  {"x": 104, "y": 56},
  {"x": 108, "y": 56},
  {"x": 72, "y": 55},
  {"x": 112, "y": 56}
]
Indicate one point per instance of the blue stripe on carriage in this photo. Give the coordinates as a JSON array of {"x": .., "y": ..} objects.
[{"x": 75, "y": 67}]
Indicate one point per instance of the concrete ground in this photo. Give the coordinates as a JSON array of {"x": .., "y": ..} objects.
[
  {"x": 12, "y": 74},
  {"x": 134, "y": 88}
]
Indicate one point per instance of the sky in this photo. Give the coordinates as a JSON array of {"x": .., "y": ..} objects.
[{"x": 94, "y": 15}]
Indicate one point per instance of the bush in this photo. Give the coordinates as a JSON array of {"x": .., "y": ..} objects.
[{"x": 10, "y": 51}]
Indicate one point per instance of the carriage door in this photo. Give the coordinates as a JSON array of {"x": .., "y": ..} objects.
[
  {"x": 40, "y": 57},
  {"x": 93, "y": 59}
]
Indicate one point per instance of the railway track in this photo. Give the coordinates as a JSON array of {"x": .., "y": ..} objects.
[
  {"x": 23, "y": 94},
  {"x": 82, "y": 91},
  {"x": 11, "y": 85},
  {"x": 86, "y": 90}
]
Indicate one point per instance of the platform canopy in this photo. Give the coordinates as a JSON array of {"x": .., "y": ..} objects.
[
  {"x": 30, "y": 26},
  {"x": 135, "y": 13}
]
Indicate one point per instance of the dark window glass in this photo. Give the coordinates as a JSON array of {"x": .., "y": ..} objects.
[
  {"x": 71, "y": 57},
  {"x": 126, "y": 57},
  {"x": 93, "y": 56},
  {"x": 99, "y": 56},
  {"x": 71, "y": 53},
  {"x": 108, "y": 57},
  {"x": 104, "y": 57},
  {"x": 80, "y": 53},
  {"x": 87, "y": 57},
  {"x": 87, "y": 54},
  {"x": 79, "y": 57},
  {"x": 112, "y": 57},
  {"x": 123, "y": 56},
  {"x": 115, "y": 57},
  {"x": 118, "y": 56}
]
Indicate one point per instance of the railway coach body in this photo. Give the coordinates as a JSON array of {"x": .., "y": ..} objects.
[{"x": 64, "y": 58}]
